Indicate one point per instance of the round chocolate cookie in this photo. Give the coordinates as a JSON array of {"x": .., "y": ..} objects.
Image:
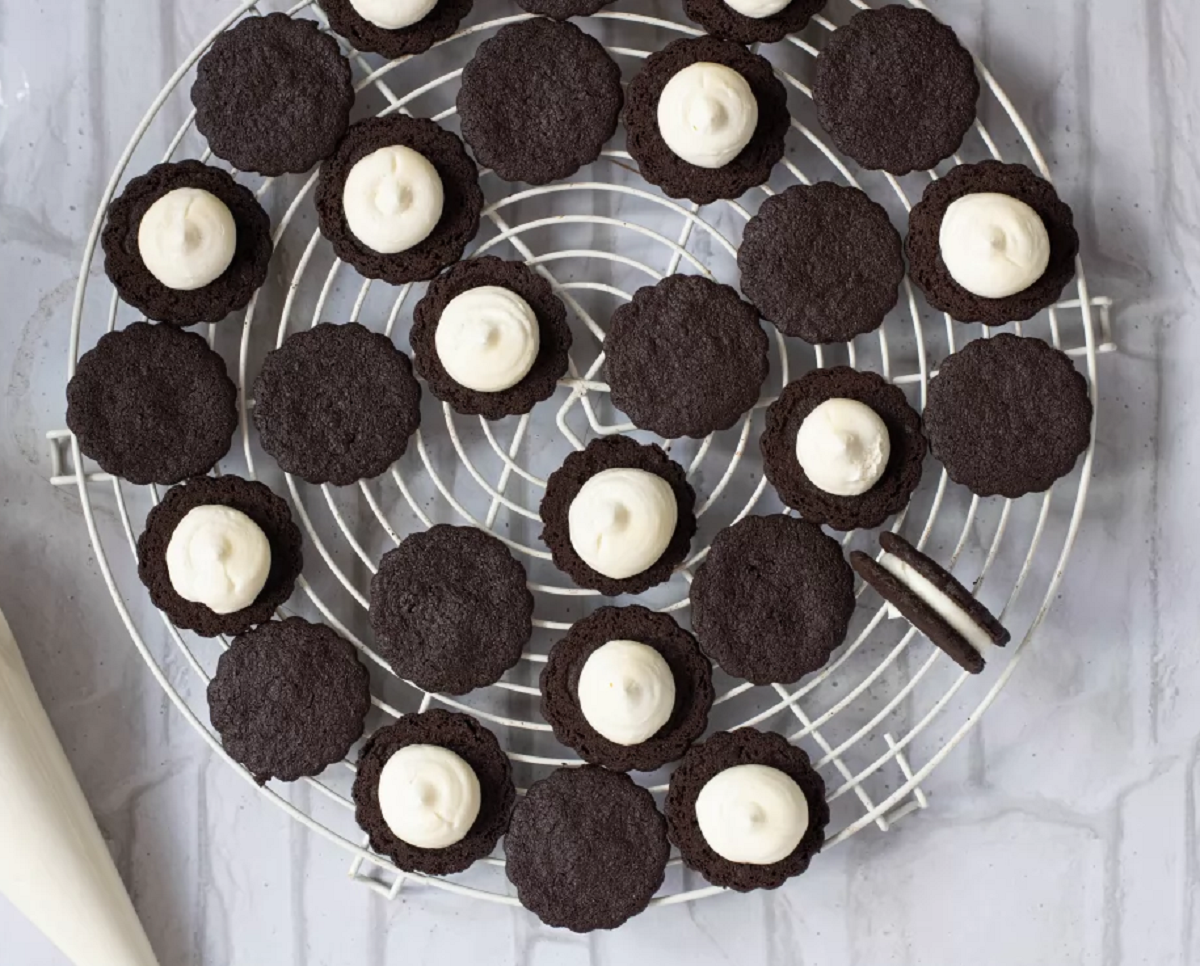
[
  {"x": 720, "y": 19},
  {"x": 728, "y": 749},
  {"x": 586, "y": 848},
  {"x": 562, "y": 9},
  {"x": 474, "y": 744},
  {"x": 1008, "y": 416},
  {"x": 273, "y": 517},
  {"x": 462, "y": 204},
  {"x": 891, "y": 492},
  {"x": 929, "y": 271},
  {"x": 273, "y": 95},
  {"x": 230, "y": 291},
  {"x": 606, "y": 453},
  {"x": 773, "y": 600},
  {"x": 690, "y": 669},
  {"x": 895, "y": 89},
  {"x": 678, "y": 178},
  {"x": 336, "y": 404},
  {"x": 685, "y": 357},
  {"x": 438, "y": 24},
  {"x": 152, "y": 404},
  {"x": 544, "y": 124},
  {"x": 450, "y": 609},
  {"x": 822, "y": 262},
  {"x": 289, "y": 699},
  {"x": 554, "y": 337}
]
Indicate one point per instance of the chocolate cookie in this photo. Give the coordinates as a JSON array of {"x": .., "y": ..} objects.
[
  {"x": 929, "y": 271},
  {"x": 450, "y": 609},
  {"x": 586, "y": 848},
  {"x": 231, "y": 291},
  {"x": 895, "y": 89},
  {"x": 1008, "y": 416},
  {"x": 773, "y": 600},
  {"x": 900, "y": 477},
  {"x": 727, "y": 749},
  {"x": 554, "y": 337},
  {"x": 462, "y": 204},
  {"x": 606, "y": 453},
  {"x": 562, "y": 9},
  {"x": 822, "y": 262},
  {"x": 273, "y": 95},
  {"x": 685, "y": 357},
  {"x": 336, "y": 404},
  {"x": 689, "y": 668},
  {"x": 273, "y": 517},
  {"x": 438, "y": 24},
  {"x": 474, "y": 744},
  {"x": 289, "y": 699},
  {"x": 720, "y": 19},
  {"x": 897, "y": 587},
  {"x": 152, "y": 404},
  {"x": 538, "y": 101},
  {"x": 678, "y": 178}
]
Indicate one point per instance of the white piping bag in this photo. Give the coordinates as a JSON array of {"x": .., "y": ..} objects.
[{"x": 54, "y": 866}]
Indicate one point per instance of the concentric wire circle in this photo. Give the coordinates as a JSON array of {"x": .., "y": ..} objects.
[{"x": 889, "y": 707}]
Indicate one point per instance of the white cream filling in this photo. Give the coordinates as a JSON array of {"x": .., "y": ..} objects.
[{"x": 943, "y": 606}]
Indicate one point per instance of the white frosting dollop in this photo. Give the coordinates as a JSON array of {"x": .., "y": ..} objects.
[
  {"x": 217, "y": 556},
  {"x": 622, "y": 520},
  {"x": 429, "y": 796},
  {"x": 626, "y": 691},
  {"x": 707, "y": 114},
  {"x": 752, "y": 813},
  {"x": 187, "y": 238},
  {"x": 487, "y": 338},
  {"x": 757, "y": 8},
  {"x": 393, "y": 199},
  {"x": 843, "y": 447},
  {"x": 393, "y": 14},
  {"x": 941, "y": 602},
  {"x": 993, "y": 245}
]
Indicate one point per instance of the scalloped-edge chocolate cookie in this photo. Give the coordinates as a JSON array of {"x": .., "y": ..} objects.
[
  {"x": 260, "y": 504},
  {"x": 562, "y": 9},
  {"x": 474, "y": 744},
  {"x": 720, "y": 19},
  {"x": 438, "y": 24},
  {"x": 690, "y": 669},
  {"x": 727, "y": 749}
]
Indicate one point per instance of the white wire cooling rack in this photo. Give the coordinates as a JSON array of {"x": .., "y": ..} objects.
[{"x": 889, "y": 707}]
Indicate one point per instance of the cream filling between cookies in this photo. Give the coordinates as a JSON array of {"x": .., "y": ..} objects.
[
  {"x": 429, "y": 796},
  {"x": 939, "y": 600},
  {"x": 752, "y": 814},
  {"x": 217, "y": 556}
]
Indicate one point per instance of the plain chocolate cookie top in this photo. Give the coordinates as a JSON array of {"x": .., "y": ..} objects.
[
  {"x": 663, "y": 167},
  {"x": 1008, "y": 415},
  {"x": 685, "y": 357},
  {"x": 461, "y": 206},
  {"x": 727, "y": 749},
  {"x": 721, "y": 20},
  {"x": 254, "y": 499},
  {"x": 227, "y": 293},
  {"x": 773, "y": 600},
  {"x": 336, "y": 404},
  {"x": 474, "y": 744},
  {"x": 689, "y": 668},
  {"x": 289, "y": 699},
  {"x": 539, "y": 100},
  {"x": 929, "y": 271},
  {"x": 450, "y": 609},
  {"x": 152, "y": 404},
  {"x": 273, "y": 95},
  {"x": 554, "y": 337},
  {"x": 822, "y": 262},
  {"x": 895, "y": 89},
  {"x": 900, "y": 477},
  {"x": 562, "y": 9},
  {"x": 416, "y": 38},
  {"x": 586, "y": 848}
]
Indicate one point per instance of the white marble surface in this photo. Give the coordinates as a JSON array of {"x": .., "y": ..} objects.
[{"x": 1067, "y": 833}]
